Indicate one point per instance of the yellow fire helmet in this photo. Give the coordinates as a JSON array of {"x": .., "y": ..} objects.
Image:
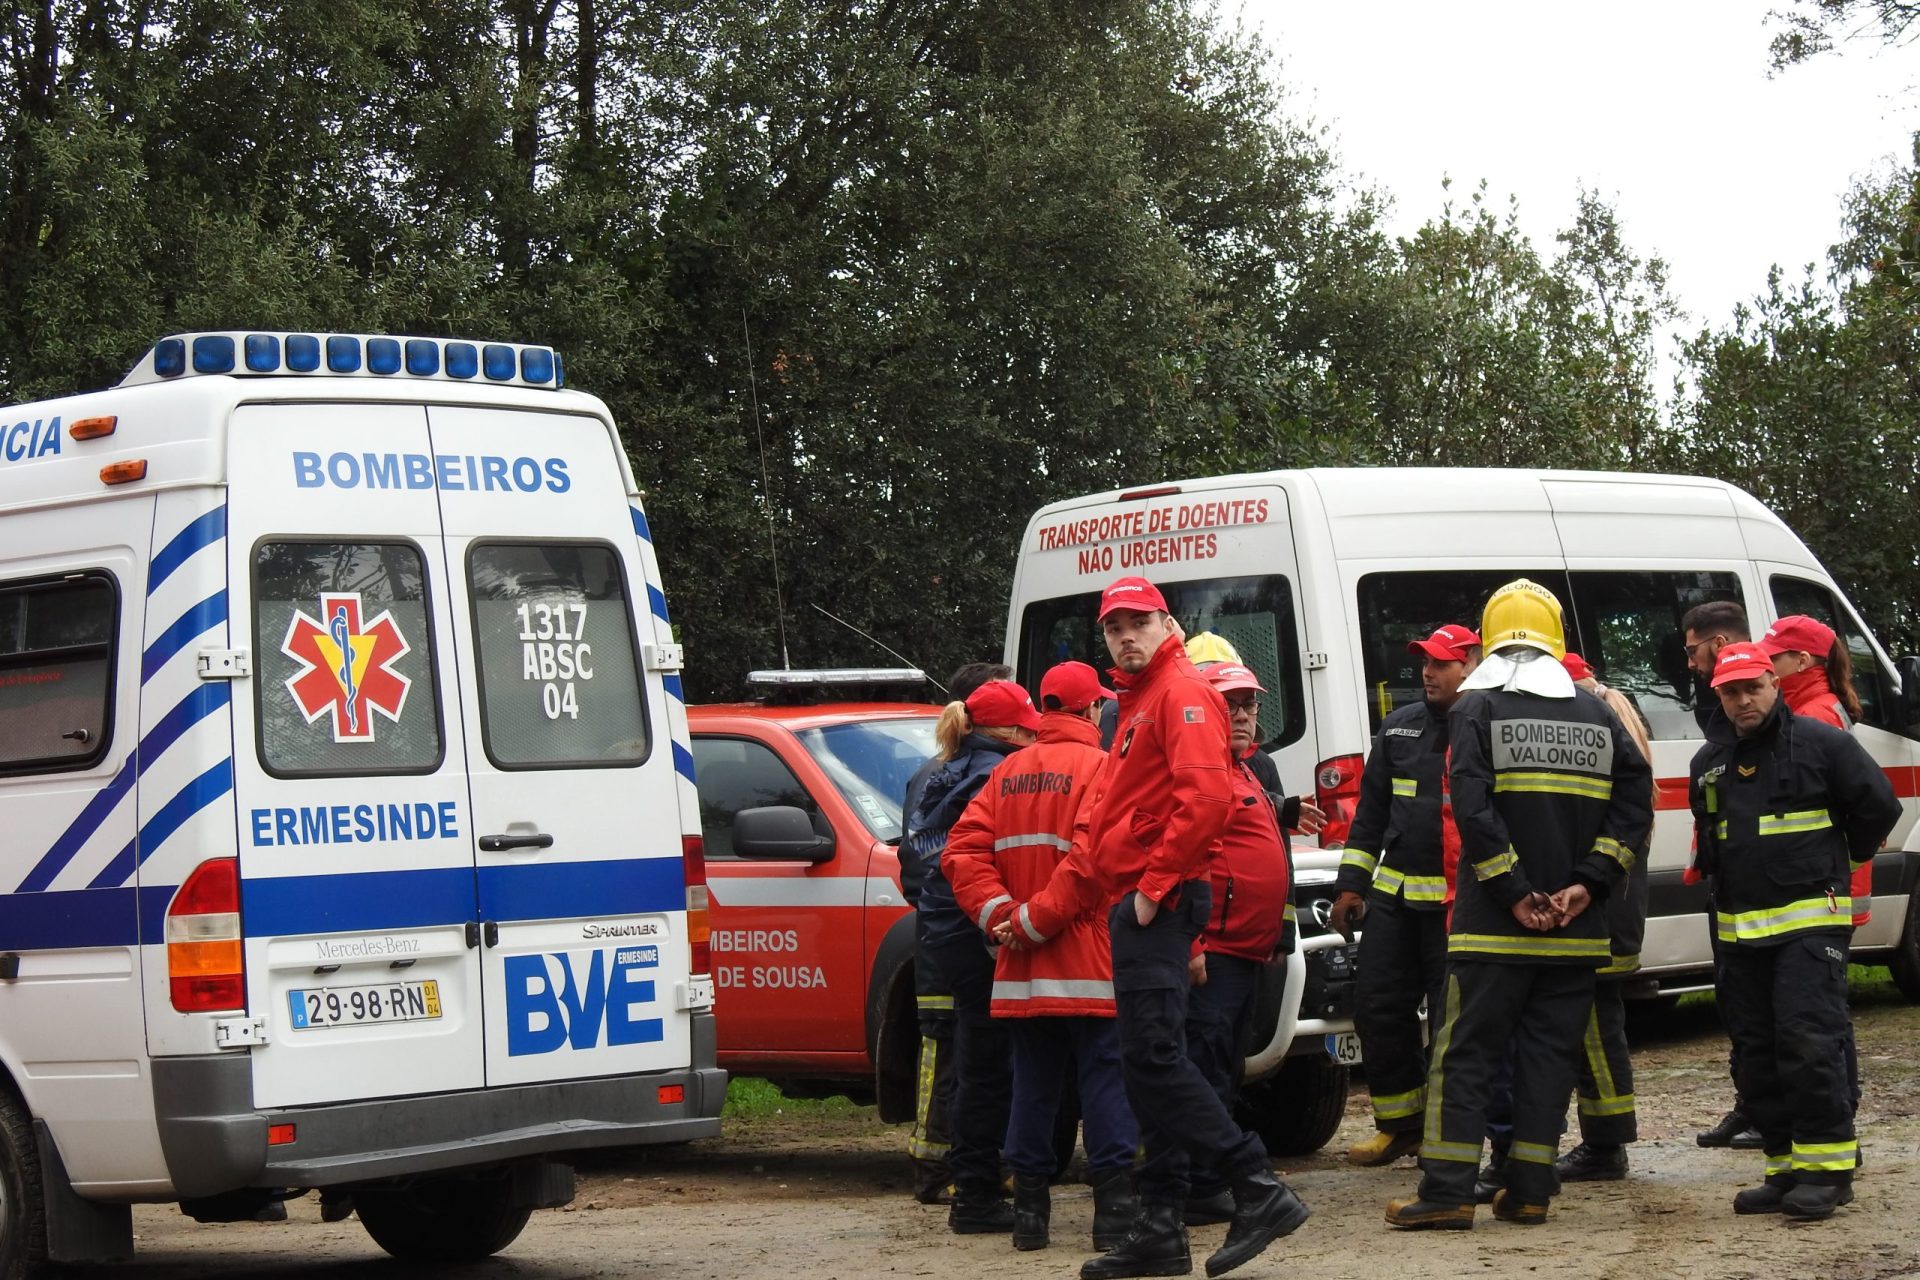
[
  {"x": 1524, "y": 613},
  {"x": 1210, "y": 646}
]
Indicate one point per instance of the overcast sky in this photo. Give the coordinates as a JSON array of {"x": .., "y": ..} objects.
[{"x": 1665, "y": 108}]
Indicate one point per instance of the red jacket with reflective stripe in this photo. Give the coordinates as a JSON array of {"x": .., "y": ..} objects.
[
  {"x": 1004, "y": 848},
  {"x": 1810, "y": 697},
  {"x": 1165, "y": 797}
]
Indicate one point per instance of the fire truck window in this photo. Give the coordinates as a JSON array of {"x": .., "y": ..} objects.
[
  {"x": 345, "y": 679},
  {"x": 734, "y": 774},
  {"x": 56, "y": 672}
]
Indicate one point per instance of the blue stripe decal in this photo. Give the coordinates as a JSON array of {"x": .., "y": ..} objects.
[
  {"x": 356, "y": 902},
  {"x": 70, "y": 918},
  {"x": 79, "y": 830},
  {"x": 570, "y": 890},
  {"x": 683, "y": 762},
  {"x": 191, "y": 799},
  {"x": 195, "y": 707},
  {"x": 195, "y": 622},
  {"x": 202, "y": 533},
  {"x": 671, "y": 683},
  {"x": 657, "y": 600},
  {"x": 640, "y": 524}
]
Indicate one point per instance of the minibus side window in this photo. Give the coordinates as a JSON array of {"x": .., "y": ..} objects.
[
  {"x": 559, "y": 682},
  {"x": 1398, "y": 608},
  {"x": 1255, "y": 615},
  {"x": 56, "y": 672},
  {"x": 736, "y": 774},
  {"x": 1629, "y": 632},
  {"x": 346, "y": 673},
  {"x": 1870, "y": 681}
]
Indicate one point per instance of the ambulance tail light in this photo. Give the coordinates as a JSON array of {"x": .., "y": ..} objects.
[
  {"x": 693, "y": 858},
  {"x": 204, "y": 966},
  {"x": 1336, "y": 789}
]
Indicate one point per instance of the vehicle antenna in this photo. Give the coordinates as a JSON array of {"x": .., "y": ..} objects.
[
  {"x": 766, "y": 494},
  {"x": 895, "y": 652}
]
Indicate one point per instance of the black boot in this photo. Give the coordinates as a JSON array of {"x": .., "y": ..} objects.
[
  {"x": 1114, "y": 1207},
  {"x": 1492, "y": 1178},
  {"x": 1734, "y": 1130},
  {"x": 979, "y": 1216},
  {"x": 1032, "y": 1206},
  {"x": 1264, "y": 1209},
  {"x": 1155, "y": 1245},
  {"x": 1815, "y": 1199}
]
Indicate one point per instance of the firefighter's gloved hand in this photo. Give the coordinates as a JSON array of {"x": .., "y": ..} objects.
[{"x": 1347, "y": 911}]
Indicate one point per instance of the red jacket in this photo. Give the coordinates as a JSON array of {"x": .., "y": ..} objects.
[
  {"x": 1165, "y": 798},
  {"x": 1249, "y": 874},
  {"x": 1005, "y": 846},
  {"x": 1810, "y": 696}
]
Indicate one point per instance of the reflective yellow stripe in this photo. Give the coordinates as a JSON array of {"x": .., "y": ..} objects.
[
  {"x": 1621, "y": 964},
  {"x": 1532, "y": 1152},
  {"x": 1455, "y": 1152},
  {"x": 1786, "y": 824},
  {"x": 1425, "y": 888},
  {"x": 934, "y": 1002},
  {"x": 1721, "y": 830},
  {"x": 1825, "y": 1157},
  {"x": 1614, "y": 849},
  {"x": 1498, "y": 865},
  {"x": 1779, "y": 1164},
  {"x": 1553, "y": 782},
  {"x": 1360, "y": 859},
  {"x": 1531, "y": 945},
  {"x": 1437, "y": 1078},
  {"x": 1406, "y": 787},
  {"x": 1621, "y": 1106},
  {"x": 1290, "y": 915},
  {"x": 1773, "y": 922},
  {"x": 1398, "y": 1106}
]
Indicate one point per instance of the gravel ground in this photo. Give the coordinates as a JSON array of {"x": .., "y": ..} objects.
[{"x": 814, "y": 1193}]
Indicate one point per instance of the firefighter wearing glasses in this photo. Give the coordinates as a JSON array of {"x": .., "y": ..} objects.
[
  {"x": 1551, "y": 796},
  {"x": 1784, "y": 807}
]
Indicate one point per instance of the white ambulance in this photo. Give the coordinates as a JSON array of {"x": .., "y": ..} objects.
[
  {"x": 351, "y": 839},
  {"x": 1320, "y": 577}
]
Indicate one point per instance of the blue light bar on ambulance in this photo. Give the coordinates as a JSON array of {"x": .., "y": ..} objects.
[
  {"x": 838, "y": 675},
  {"x": 348, "y": 355}
]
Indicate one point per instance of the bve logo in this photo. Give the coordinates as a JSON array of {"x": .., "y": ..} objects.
[{"x": 552, "y": 1005}]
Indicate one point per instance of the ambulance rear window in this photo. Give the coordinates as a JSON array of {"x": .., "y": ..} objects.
[
  {"x": 346, "y": 672},
  {"x": 56, "y": 672},
  {"x": 559, "y": 683}
]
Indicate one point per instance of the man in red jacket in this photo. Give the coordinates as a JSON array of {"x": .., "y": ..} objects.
[
  {"x": 1165, "y": 800},
  {"x": 1057, "y": 999}
]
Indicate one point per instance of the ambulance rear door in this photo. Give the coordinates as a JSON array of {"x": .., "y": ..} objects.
[
  {"x": 577, "y": 827},
  {"x": 356, "y": 840}
]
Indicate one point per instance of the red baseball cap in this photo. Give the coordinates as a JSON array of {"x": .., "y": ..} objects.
[
  {"x": 1742, "y": 661},
  {"x": 1136, "y": 594},
  {"x": 1075, "y": 684},
  {"x": 1002, "y": 704},
  {"x": 1576, "y": 666},
  {"x": 1448, "y": 644},
  {"x": 1228, "y": 676},
  {"x": 1797, "y": 633}
]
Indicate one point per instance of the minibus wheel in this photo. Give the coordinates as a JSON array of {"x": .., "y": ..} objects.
[
  {"x": 455, "y": 1219},
  {"x": 1905, "y": 960},
  {"x": 23, "y": 1218},
  {"x": 1298, "y": 1108}
]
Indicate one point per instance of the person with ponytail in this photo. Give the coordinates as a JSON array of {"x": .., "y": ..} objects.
[{"x": 996, "y": 720}]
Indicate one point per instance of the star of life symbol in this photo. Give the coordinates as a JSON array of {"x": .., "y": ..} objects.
[{"x": 347, "y": 666}]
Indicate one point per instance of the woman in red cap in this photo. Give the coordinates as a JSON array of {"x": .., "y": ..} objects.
[{"x": 996, "y": 720}]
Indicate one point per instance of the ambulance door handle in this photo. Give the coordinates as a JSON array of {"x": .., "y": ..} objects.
[
  {"x": 490, "y": 930},
  {"x": 501, "y": 844}
]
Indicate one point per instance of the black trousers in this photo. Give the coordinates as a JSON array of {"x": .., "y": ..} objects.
[
  {"x": 1182, "y": 1120},
  {"x": 1540, "y": 1009},
  {"x": 1786, "y": 1009},
  {"x": 1604, "y": 1095},
  {"x": 1403, "y": 960},
  {"x": 982, "y": 1069},
  {"x": 1217, "y": 1040},
  {"x": 933, "y": 1084}
]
